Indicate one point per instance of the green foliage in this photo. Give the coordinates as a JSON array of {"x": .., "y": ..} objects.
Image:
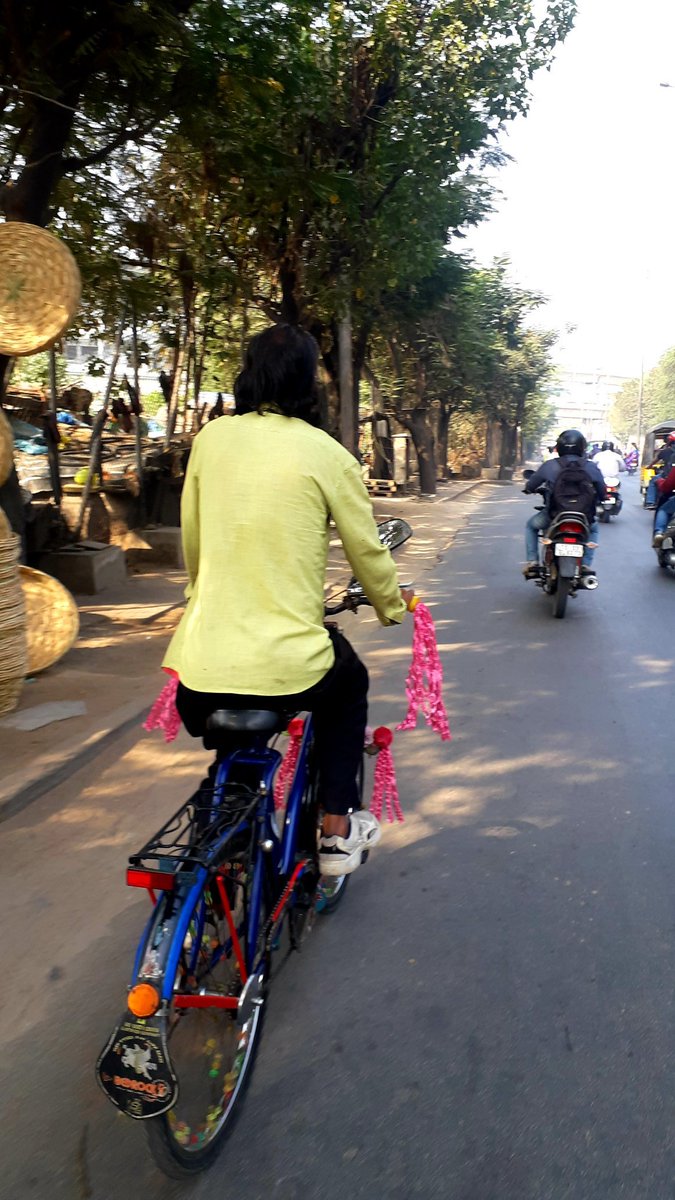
[
  {"x": 658, "y": 400},
  {"x": 152, "y": 402},
  {"x": 33, "y": 371},
  {"x": 215, "y": 165}
]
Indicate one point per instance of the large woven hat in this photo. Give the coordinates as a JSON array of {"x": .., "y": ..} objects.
[
  {"x": 52, "y": 619},
  {"x": 39, "y": 288},
  {"x": 6, "y": 448}
]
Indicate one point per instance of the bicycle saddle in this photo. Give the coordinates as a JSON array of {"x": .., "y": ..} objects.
[{"x": 246, "y": 720}]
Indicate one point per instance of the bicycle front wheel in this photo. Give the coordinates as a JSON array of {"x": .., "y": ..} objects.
[{"x": 212, "y": 1048}]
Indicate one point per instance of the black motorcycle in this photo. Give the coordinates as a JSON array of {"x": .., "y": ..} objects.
[
  {"x": 612, "y": 504},
  {"x": 561, "y": 550}
]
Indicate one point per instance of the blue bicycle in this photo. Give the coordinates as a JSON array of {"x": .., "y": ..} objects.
[{"x": 230, "y": 881}]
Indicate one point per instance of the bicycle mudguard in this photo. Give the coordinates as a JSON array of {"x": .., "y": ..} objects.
[{"x": 134, "y": 1068}]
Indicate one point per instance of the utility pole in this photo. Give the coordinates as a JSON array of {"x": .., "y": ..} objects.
[{"x": 640, "y": 400}]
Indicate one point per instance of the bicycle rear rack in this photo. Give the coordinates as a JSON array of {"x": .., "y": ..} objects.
[{"x": 197, "y": 835}]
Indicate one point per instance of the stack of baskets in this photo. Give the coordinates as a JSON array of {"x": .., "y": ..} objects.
[
  {"x": 13, "y": 646},
  {"x": 39, "y": 295}
]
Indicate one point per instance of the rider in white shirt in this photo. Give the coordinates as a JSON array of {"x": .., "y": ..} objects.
[{"x": 609, "y": 461}]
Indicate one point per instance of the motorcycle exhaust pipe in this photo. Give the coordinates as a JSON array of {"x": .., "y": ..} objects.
[{"x": 589, "y": 582}]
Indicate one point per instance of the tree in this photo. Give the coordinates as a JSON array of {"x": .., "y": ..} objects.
[
  {"x": 352, "y": 193},
  {"x": 658, "y": 400}
]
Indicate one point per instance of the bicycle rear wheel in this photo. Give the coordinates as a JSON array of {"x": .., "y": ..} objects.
[{"x": 212, "y": 1048}]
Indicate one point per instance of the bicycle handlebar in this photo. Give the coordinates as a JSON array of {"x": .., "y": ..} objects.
[{"x": 348, "y": 604}]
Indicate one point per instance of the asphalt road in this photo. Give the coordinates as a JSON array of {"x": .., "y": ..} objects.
[{"x": 489, "y": 1016}]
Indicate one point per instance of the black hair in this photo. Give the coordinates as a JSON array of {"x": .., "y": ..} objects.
[{"x": 279, "y": 372}]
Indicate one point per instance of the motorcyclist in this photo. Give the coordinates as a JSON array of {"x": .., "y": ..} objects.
[
  {"x": 666, "y": 508},
  {"x": 609, "y": 460},
  {"x": 661, "y": 463},
  {"x": 571, "y": 445}
]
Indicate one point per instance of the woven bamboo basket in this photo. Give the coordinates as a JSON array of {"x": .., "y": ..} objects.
[
  {"x": 13, "y": 651},
  {"x": 39, "y": 288},
  {"x": 52, "y": 619},
  {"x": 6, "y": 449}
]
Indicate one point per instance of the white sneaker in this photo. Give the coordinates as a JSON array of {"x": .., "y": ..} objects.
[{"x": 341, "y": 856}]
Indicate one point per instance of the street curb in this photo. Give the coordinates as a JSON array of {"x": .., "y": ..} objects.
[{"x": 26, "y": 786}]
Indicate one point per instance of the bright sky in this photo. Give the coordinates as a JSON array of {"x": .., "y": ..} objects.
[{"x": 588, "y": 209}]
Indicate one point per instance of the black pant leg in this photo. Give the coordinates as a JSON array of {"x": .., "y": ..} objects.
[{"x": 340, "y": 716}]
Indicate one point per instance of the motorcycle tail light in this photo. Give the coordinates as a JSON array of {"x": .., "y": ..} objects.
[{"x": 571, "y": 527}]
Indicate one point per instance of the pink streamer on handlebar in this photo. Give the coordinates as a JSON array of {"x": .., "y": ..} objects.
[
  {"x": 164, "y": 714},
  {"x": 424, "y": 684},
  {"x": 385, "y": 788}
]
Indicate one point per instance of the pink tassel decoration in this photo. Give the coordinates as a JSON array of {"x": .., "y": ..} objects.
[
  {"x": 385, "y": 788},
  {"x": 289, "y": 762},
  {"x": 425, "y": 695},
  {"x": 164, "y": 714}
]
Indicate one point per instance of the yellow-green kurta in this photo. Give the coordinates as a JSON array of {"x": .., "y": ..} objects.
[{"x": 258, "y": 494}]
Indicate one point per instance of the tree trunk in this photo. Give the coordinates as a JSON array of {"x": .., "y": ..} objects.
[
  {"x": 417, "y": 421},
  {"x": 510, "y": 441},
  {"x": 383, "y": 449},
  {"x": 349, "y": 435},
  {"x": 28, "y": 198},
  {"x": 442, "y": 432},
  {"x": 174, "y": 399},
  {"x": 493, "y": 443}
]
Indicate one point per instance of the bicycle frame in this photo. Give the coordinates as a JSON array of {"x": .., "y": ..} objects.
[{"x": 271, "y": 847}]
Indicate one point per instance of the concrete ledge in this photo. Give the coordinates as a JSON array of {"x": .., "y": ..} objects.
[
  {"x": 88, "y": 567},
  {"x": 161, "y": 544}
]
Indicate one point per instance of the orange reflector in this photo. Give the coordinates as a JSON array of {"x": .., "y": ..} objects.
[{"x": 143, "y": 1000}]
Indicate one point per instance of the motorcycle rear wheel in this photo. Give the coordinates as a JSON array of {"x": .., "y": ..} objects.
[{"x": 560, "y": 595}]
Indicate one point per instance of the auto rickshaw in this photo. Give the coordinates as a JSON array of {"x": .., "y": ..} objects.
[{"x": 649, "y": 449}]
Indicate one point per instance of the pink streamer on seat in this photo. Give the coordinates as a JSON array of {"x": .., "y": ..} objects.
[
  {"x": 164, "y": 714},
  {"x": 385, "y": 788},
  {"x": 289, "y": 762},
  {"x": 425, "y": 694}
]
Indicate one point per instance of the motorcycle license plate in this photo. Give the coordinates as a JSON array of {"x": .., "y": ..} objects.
[{"x": 564, "y": 551}]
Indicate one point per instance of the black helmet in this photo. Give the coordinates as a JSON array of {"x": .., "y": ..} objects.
[{"x": 571, "y": 441}]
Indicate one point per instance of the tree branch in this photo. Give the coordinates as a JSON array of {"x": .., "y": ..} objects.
[
  {"x": 75, "y": 163},
  {"x": 387, "y": 190}
]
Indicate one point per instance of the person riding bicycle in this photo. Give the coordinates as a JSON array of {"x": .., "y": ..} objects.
[
  {"x": 260, "y": 489},
  {"x": 571, "y": 447}
]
